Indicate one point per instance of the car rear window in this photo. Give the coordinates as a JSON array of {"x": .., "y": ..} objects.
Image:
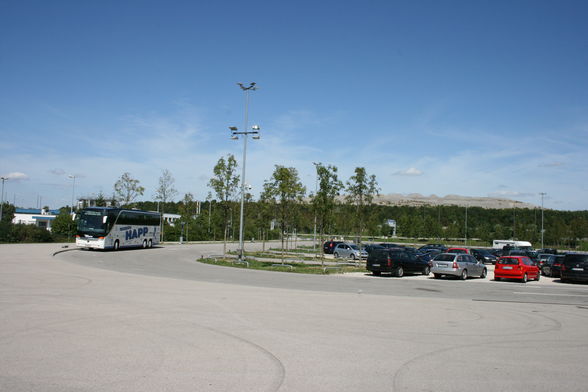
[
  {"x": 444, "y": 257},
  {"x": 508, "y": 261},
  {"x": 576, "y": 258}
]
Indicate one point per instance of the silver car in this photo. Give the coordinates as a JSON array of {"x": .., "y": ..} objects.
[
  {"x": 349, "y": 251},
  {"x": 462, "y": 265}
]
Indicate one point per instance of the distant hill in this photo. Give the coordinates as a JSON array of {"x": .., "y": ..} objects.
[{"x": 416, "y": 200}]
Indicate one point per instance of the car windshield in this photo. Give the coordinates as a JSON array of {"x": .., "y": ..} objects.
[
  {"x": 354, "y": 247},
  {"x": 508, "y": 261}
]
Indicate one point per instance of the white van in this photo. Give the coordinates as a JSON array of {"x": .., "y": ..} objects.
[{"x": 499, "y": 244}]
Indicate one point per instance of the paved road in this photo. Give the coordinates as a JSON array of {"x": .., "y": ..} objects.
[{"x": 155, "y": 320}]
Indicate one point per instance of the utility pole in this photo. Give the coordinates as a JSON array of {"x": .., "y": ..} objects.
[
  {"x": 235, "y": 132},
  {"x": 2, "y": 201},
  {"x": 542, "y": 229}
]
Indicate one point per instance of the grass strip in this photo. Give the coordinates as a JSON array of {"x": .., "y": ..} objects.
[{"x": 297, "y": 268}]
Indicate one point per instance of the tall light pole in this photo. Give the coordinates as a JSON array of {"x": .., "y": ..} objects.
[
  {"x": 73, "y": 192},
  {"x": 542, "y": 230},
  {"x": 2, "y": 202},
  {"x": 235, "y": 132}
]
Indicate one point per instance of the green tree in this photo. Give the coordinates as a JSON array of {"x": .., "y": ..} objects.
[
  {"x": 127, "y": 189},
  {"x": 63, "y": 227},
  {"x": 361, "y": 189},
  {"x": 225, "y": 183},
  {"x": 7, "y": 212},
  {"x": 285, "y": 191},
  {"x": 324, "y": 200}
]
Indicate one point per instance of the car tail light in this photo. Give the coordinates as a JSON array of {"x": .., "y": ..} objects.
[
  {"x": 563, "y": 267},
  {"x": 389, "y": 261},
  {"x": 455, "y": 265},
  {"x": 77, "y": 236}
]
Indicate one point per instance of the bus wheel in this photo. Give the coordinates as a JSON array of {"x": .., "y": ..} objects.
[
  {"x": 144, "y": 244},
  {"x": 116, "y": 245},
  {"x": 150, "y": 244}
]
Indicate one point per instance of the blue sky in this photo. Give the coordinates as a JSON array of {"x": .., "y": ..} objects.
[{"x": 475, "y": 98}]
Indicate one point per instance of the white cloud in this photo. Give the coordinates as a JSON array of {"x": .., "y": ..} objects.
[
  {"x": 16, "y": 176},
  {"x": 411, "y": 171}
]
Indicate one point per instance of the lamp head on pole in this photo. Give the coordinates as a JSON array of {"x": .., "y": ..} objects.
[{"x": 251, "y": 86}]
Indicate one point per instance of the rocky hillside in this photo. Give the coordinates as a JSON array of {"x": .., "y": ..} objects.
[{"x": 416, "y": 199}]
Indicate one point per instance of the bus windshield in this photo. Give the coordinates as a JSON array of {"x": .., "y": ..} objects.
[{"x": 92, "y": 222}]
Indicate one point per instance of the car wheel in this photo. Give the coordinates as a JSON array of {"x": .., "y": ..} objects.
[
  {"x": 150, "y": 245},
  {"x": 400, "y": 272},
  {"x": 437, "y": 276},
  {"x": 484, "y": 273},
  {"x": 144, "y": 244},
  {"x": 336, "y": 255},
  {"x": 464, "y": 274},
  {"x": 525, "y": 278},
  {"x": 538, "y": 277},
  {"x": 497, "y": 279},
  {"x": 426, "y": 271},
  {"x": 352, "y": 256},
  {"x": 116, "y": 245},
  {"x": 376, "y": 273}
]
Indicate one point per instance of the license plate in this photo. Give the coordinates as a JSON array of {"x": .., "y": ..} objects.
[
  {"x": 577, "y": 269},
  {"x": 375, "y": 265},
  {"x": 506, "y": 267}
]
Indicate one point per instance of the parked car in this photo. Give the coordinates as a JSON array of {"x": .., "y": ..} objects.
[
  {"x": 461, "y": 265},
  {"x": 369, "y": 247},
  {"x": 396, "y": 261},
  {"x": 390, "y": 245},
  {"x": 574, "y": 268},
  {"x": 548, "y": 250},
  {"x": 516, "y": 267},
  {"x": 349, "y": 251},
  {"x": 329, "y": 246},
  {"x": 483, "y": 255},
  {"x": 458, "y": 250},
  {"x": 522, "y": 252},
  {"x": 542, "y": 258},
  {"x": 552, "y": 266},
  {"x": 440, "y": 247}
]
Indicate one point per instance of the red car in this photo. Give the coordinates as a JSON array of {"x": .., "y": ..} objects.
[{"x": 516, "y": 267}]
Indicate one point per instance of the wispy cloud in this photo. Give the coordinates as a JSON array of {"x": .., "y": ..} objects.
[
  {"x": 16, "y": 176},
  {"x": 411, "y": 171}
]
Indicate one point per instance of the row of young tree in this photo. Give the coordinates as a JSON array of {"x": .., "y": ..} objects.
[{"x": 336, "y": 208}]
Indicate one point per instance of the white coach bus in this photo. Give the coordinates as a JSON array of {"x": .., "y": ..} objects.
[
  {"x": 114, "y": 228},
  {"x": 499, "y": 244}
]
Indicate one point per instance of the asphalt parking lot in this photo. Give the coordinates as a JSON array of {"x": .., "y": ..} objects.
[{"x": 153, "y": 320}]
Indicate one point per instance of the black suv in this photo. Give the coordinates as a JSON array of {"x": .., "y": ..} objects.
[
  {"x": 396, "y": 261},
  {"x": 574, "y": 268}
]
